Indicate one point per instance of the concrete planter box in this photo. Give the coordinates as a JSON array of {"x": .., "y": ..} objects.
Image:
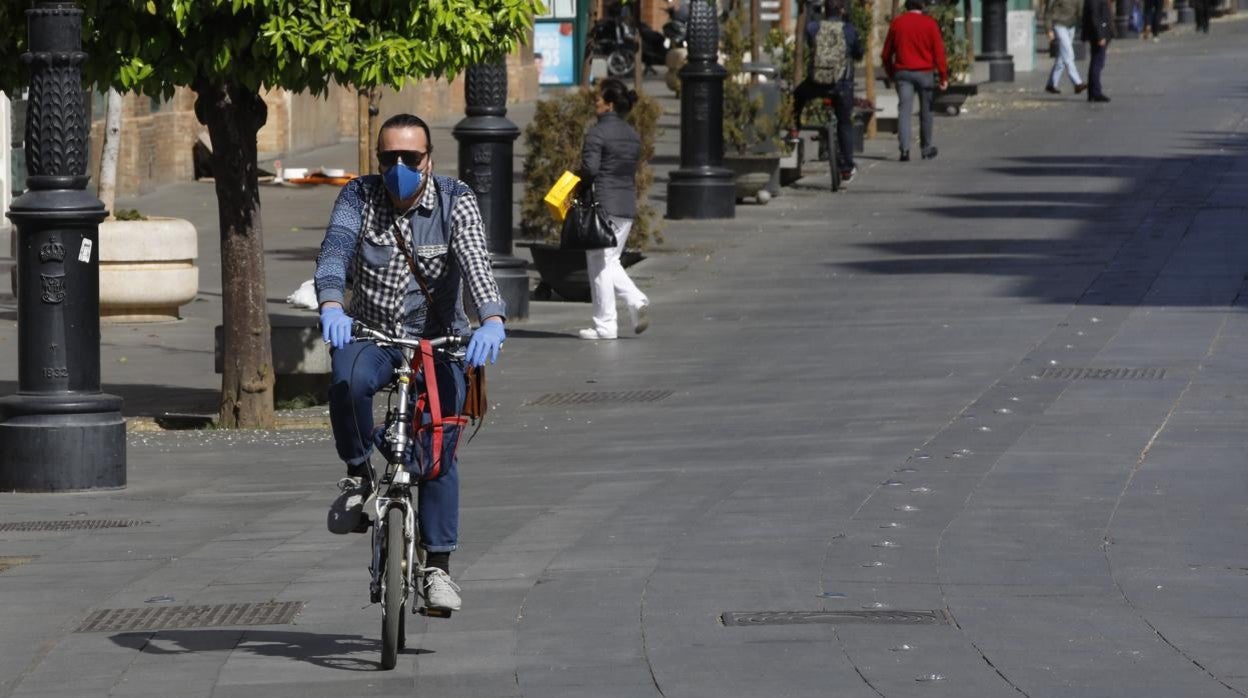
[
  {"x": 754, "y": 173},
  {"x": 147, "y": 269}
]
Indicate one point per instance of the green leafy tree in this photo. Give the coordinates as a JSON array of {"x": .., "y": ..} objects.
[{"x": 227, "y": 52}]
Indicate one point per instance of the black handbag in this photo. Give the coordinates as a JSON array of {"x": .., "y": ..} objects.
[{"x": 587, "y": 226}]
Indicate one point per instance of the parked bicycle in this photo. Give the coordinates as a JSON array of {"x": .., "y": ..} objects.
[{"x": 397, "y": 557}]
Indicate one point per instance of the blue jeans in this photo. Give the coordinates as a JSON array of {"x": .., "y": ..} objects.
[
  {"x": 909, "y": 81},
  {"x": 357, "y": 372},
  {"x": 1065, "y": 61}
]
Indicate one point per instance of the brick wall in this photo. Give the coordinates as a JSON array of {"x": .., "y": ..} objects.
[{"x": 157, "y": 140}]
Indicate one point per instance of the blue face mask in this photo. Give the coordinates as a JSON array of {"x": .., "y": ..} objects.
[{"x": 403, "y": 181}]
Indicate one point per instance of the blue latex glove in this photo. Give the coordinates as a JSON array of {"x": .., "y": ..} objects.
[
  {"x": 485, "y": 343},
  {"x": 335, "y": 326}
]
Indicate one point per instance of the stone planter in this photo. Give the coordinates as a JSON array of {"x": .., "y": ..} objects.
[
  {"x": 564, "y": 271},
  {"x": 753, "y": 173},
  {"x": 147, "y": 269},
  {"x": 949, "y": 102}
]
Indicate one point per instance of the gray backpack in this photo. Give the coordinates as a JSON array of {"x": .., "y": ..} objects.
[{"x": 831, "y": 61}]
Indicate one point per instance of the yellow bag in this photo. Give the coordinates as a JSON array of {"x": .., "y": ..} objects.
[{"x": 559, "y": 198}]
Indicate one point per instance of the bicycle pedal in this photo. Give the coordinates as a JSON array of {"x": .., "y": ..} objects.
[{"x": 435, "y": 612}]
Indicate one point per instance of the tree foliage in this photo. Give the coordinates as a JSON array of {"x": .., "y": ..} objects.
[
  {"x": 228, "y": 51},
  {"x": 154, "y": 46}
]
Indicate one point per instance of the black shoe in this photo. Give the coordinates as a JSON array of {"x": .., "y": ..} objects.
[
  {"x": 1081, "y": 88},
  {"x": 1098, "y": 98},
  {"x": 1052, "y": 90},
  {"x": 847, "y": 176},
  {"x": 905, "y": 156},
  {"x": 930, "y": 153}
]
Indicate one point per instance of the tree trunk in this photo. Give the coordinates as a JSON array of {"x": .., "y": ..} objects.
[
  {"x": 869, "y": 64},
  {"x": 799, "y": 47},
  {"x": 234, "y": 116},
  {"x": 112, "y": 146},
  {"x": 367, "y": 123},
  {"x": 361, "y": 130},
  {"x": 968, "y": 28}
]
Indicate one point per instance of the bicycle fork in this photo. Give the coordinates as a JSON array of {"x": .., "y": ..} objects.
[{"x": 396, "y": 483}]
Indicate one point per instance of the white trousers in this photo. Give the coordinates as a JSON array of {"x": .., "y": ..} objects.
[
  {"x": 607, "y": 279},
  {"x": 1065, "y": 61}
]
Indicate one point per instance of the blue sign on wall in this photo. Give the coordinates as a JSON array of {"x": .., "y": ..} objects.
[{"x": 555, "y": 52}]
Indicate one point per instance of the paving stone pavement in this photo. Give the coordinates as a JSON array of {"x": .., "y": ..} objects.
[{"x": 1004, "y": 385}]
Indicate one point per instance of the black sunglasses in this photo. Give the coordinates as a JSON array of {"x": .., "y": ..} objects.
[{"x": 411, "y": 158}]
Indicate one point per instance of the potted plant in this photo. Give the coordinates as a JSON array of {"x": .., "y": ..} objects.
[
  {"x": 950, "y": 100},
  {"x": 553, "y": 141},
  {"x": 752, "y": 137}
]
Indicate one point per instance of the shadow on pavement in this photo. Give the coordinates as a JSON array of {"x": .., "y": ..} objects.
[
  {"x": 324, "y": 650},
  {"x": 144, "y": 400},
  {"x": 1167, "y": 237}
]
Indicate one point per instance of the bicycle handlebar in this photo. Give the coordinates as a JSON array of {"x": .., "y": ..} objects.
[{"x": 361, "y": 331}]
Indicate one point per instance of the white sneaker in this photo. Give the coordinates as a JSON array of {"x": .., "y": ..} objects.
[
  {"x": 440, "y": 592},
  {"x": 592, "y": 333},
  {"x": 641, "y": 317}
]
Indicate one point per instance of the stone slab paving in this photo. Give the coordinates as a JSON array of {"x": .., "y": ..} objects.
[{"x": 1005, "y": 385}]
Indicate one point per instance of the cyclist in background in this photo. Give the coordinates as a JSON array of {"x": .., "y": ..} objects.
[
  {"x": 834, "y": 46},
  {"x": 406, "y": 239}
]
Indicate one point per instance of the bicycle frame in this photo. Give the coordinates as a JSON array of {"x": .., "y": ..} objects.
[
  {"x": 396, "y": 483},
  {"x": 394, "y": 487}
]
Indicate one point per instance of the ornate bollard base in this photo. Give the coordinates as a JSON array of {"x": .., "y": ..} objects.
[
  {"x": 1000, "y": 67},
  {"x": 513, "y": 283},
  {"x": 62, "y": 443},
  {"x": 702, "y": 193}
]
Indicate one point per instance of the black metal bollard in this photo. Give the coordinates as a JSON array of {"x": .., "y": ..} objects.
[
  {"x": 59, "y": 432},
  {"x": 1184, "y": 12},
  {"x": 486, "y": 139},
  {"x": 995, "y": 53},
  {"x": 1122, "y": 21},
  {"x": 702, "y": 187}
]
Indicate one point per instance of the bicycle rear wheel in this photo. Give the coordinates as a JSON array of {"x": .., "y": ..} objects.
[
  {"x": 829, "y": 136},
  {"x": 392, "y": 611}
]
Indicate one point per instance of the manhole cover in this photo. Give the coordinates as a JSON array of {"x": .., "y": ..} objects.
[
  {"x": 70, "y": 525},
  {"x": 564, "y": 399},
  {"x": 10, "y": 561},
  {"x": 751, "y": 618},
  {"x": 108, "y": 620},
  {"x": 1119, "y": 374}
]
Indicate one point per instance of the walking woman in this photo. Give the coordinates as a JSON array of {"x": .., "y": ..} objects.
[{"x": 609, "y": 163}]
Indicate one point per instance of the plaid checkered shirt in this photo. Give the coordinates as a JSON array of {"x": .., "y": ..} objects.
[{"x": 361, "y": 240}]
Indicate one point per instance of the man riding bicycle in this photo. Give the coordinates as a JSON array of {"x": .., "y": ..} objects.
[
  {"x": 402, "y": 242},
  {"x": 834, "y": 46}
]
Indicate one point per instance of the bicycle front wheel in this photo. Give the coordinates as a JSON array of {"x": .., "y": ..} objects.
[{"x": 392, "y": 595}]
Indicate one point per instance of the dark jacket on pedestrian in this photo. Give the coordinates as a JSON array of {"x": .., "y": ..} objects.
[
  {"x": 1097, "y": 22},
  {"x": 609, "y": 160},
  {"x": 853, "y": 46},
  {"x": 1067, "y": 13}
]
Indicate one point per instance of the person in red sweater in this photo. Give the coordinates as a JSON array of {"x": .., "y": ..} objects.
[{"x": 913, "y": 56}]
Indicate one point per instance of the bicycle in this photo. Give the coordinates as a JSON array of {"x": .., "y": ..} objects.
[{"x": 391, "y": 507}]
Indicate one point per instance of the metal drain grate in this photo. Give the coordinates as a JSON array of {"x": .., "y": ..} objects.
[
  {"x": 752, "y": 618},
  {"x": 71, "y": 524},
  {"x": 563, "y": 399},
  {"x": 108, "y": 620},
  {"x": 8, "y": 562},
  {"x": 1116, "y": 374}
]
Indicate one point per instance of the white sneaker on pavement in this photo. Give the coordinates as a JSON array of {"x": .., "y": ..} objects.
[
  {"x": 591, "y": 333},
  {"x": 440, "y": 592},
  {"x": 641, "y": 317}
]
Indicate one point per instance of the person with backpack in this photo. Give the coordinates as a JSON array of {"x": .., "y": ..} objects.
[
  {"x": 913, "y": 53},
  {"x": 834, "y": 46}
]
